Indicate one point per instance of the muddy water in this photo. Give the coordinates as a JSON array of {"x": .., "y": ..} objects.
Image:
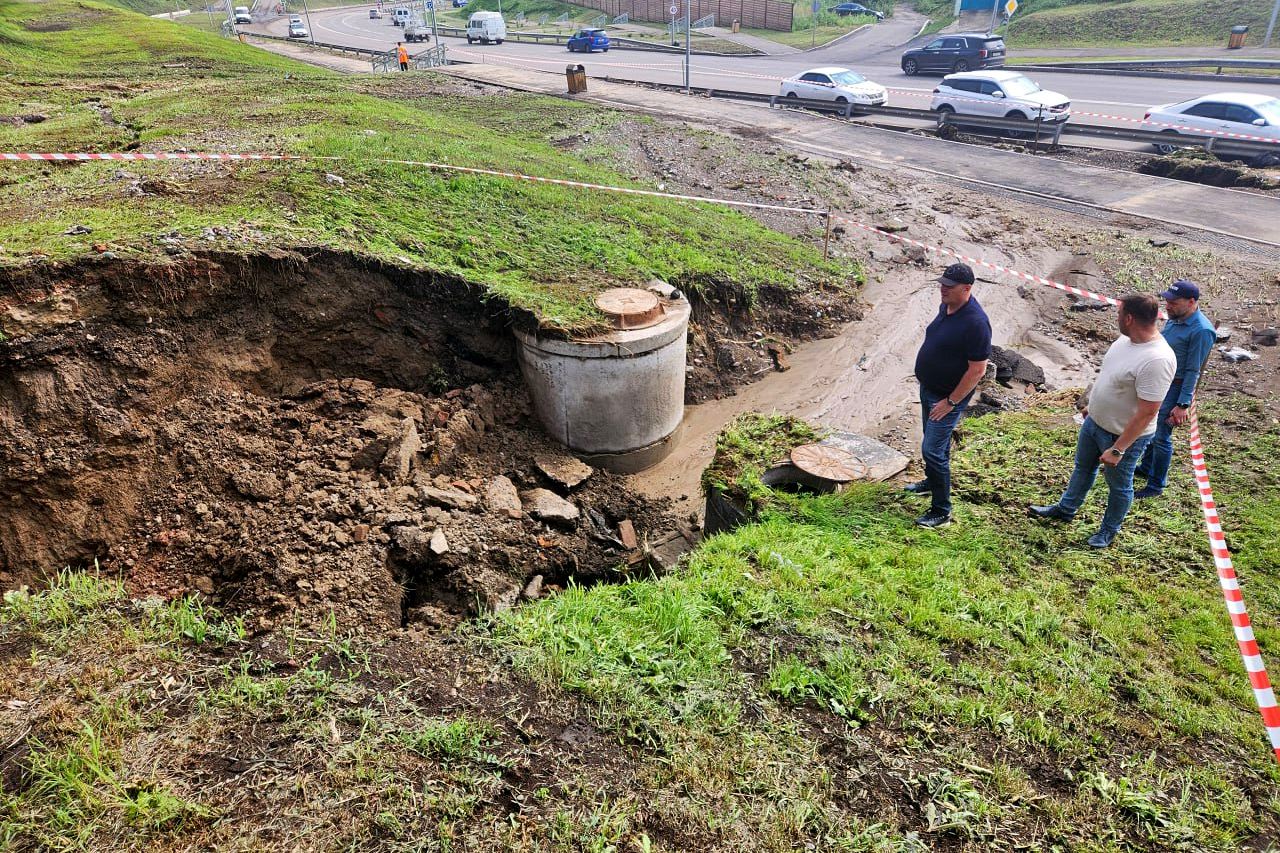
[{"x": 861, "y": 381}]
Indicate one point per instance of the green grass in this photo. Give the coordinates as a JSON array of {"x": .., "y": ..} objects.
[
  {"x": 1000, "y": 636},
  {"x": 1150, "y": 23},
  {"x": 1137, "y": 22},
  {"x": 543, "y": 249},
  {"x": 833, "y": 677}
]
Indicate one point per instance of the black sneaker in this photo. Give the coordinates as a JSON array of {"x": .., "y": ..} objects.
[
  {"x": 1147, "y": 491},
  {"x": 1052, "y": 511},
  {"x": 918, "y": 488},
  {"x": 934, "y": 519}
]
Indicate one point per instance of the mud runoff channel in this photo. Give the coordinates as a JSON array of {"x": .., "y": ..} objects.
[{"x": 292, "y": 437}]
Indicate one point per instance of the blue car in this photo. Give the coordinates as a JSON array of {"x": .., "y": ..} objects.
[
  {"x": 587, "y": 40},
  {"x": 857, "y": 9}
]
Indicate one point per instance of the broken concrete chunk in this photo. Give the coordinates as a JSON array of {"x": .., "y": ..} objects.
[
  {"x": 1236, "y": 354},
  {"x": 438, "y": 544},
  {"x": 565, "y": 470},
  {"x": 451, "y": 498},
  {"x": 548, "y": 506},
  {"x": 501, "y": 497},
  {"x": 414, "y": 541},
  {"x": 399, "y": 459}
]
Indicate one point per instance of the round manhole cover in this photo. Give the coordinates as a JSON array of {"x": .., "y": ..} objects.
[
  {"x": 829, "y": 463},
  {"x": 630, "y": 307}
]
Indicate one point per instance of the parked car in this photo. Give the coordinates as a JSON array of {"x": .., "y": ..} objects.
[
  {"x": 956, "y": 53},
  {"x": 832, "y": 83},
  {"x": 486, "y": 27},
  {"x": 856, "y": 9},
  {"x": 1244, "y": 113},
  {"x": 589, "y": 39},
  {"x": 297, "y": 30},
  {"x": 242, "y": 16},
  {"x": 1005, "y": 94},
  {"x": 374, "y": 14},
  {"x": 459, "y": 4},
  {"x": 417, "y": 31}
]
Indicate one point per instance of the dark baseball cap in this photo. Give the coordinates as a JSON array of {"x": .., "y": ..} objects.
[
  {"x": 957, "y": 274},
  {"x": 1181, "y": 289}
]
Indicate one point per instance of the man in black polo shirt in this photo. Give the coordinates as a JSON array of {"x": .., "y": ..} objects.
[{"x": 950, "y": 364}]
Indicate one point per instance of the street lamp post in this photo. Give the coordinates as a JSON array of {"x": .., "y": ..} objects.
[
  {"x": 310, "y": 31},
  {"x": 688, "y": 4},
  {"x": 1271, "y": 25}
]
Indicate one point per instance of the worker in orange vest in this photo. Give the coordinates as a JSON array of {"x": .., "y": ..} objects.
[{"x": 403, "y": 56}]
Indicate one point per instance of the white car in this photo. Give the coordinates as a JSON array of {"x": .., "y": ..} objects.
[
  {"x": 833, "y": 83},
  {"x": 297, "y": 30},
  {"x": 1000, "y": 94},
  {"x": 1242, "y": 113}
]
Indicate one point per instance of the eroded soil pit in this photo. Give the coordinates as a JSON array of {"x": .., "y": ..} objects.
[{"x": 294, "y": 436}]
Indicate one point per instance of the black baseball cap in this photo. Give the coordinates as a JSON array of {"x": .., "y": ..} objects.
[
  {"x": 1181, "y": 289},
  {"x": 957, "y": 274}
]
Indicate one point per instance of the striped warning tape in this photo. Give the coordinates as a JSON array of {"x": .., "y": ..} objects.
[
  {"x": 941, "y": 250},
  {"x": 1263, "y": 694}
]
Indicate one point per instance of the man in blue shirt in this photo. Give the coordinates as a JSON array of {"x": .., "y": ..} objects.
[
  {"x": 949, "y": 366},
  {"x": 1192, "y": 337}
]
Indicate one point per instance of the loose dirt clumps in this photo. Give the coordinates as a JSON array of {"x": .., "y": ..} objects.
[{"x": 297, "y": 436}]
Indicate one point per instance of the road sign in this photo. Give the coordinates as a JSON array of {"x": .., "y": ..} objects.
[
  {"x": 431, "y": 5},
  {"x": 816, "y": 7},
  {"x": 1010, "y": 6},
  {"x": 675, "y": 9}
]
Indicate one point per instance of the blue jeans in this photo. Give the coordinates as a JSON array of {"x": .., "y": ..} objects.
[
  {"x": 1155, "y": 462},
  {"x": 1090, "y": 444},
  {"x": 936, "y": 448}
]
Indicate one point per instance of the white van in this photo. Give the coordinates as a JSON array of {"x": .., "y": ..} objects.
[
  {"x": 242, "y": 16},
  {"x": 399, "y": 16},
  {"x": 486, "y": 27}
]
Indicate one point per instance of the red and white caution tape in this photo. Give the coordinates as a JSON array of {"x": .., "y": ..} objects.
[
  {"x": 1048, "y": 282},
  {"x": 1263, "y": 694}
]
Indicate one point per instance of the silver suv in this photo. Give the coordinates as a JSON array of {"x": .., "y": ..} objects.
[{"x": 1000, "y": 94}]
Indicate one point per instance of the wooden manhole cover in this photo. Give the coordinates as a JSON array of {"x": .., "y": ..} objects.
[
  {"x": 829, "y": 463},
  {"x": 630, "y": 307}
]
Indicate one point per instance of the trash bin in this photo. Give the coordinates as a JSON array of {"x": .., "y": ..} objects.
[
  {"x": 1237, "y": 37},
  {"x": 576, "y": 77},
  {"x": 735, "y": 25}
]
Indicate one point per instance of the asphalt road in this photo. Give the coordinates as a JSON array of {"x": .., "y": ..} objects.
[{"x": 873, "y": 51}]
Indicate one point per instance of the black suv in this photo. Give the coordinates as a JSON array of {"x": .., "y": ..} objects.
[{"x": 953, "y": 53}]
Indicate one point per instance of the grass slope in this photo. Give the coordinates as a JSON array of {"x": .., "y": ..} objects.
[
  {"x": 832, "y": 678},
  {"x": 159, "y": 86},
  {"x": 1077, "y": 23}
]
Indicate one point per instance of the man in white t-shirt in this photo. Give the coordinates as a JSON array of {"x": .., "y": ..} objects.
[{"x": 1121, "y": 417}]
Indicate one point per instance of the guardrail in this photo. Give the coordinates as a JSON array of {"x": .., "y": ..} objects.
[
  {"x": 340, "y": 48},
  {"x": 1164, "y": 67},
  {"x": 556, "y": 38}
]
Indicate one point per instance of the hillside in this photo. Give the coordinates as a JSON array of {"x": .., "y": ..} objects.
[
  {"x": 1065, "y": 23},
  {"x": 273, "y": 576}
]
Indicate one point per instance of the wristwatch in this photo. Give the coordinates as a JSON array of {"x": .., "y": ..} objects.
[
  {"x": 1117, "y": 451},
  {"x": 1182, "y": 405},
  {"x": 952, "y": 403}
]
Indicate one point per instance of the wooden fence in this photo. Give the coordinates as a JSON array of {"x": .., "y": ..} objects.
[{"x": 764, "y": 14}]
